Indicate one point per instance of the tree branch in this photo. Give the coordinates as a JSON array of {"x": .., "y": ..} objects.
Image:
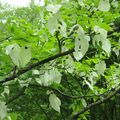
[
  {"x": 56, "y": 91},
  {"x": 74, "y": 116},
  {"x": 26, "y": 69},
  {"x": 30, "y": 67}
]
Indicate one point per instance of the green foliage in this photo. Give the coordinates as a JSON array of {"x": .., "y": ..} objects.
[{"x": 34, "y": 61}]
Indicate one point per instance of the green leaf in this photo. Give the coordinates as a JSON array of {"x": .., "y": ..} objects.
[
  {"x": 100, "y": 67},
  {"x": 19, "y": 55},
  {"x": 3, "y": 110},
  {"x": 104, "y": 5},
  {"x": 13, "y": 116},
  {"x": 55, "y": 102}
]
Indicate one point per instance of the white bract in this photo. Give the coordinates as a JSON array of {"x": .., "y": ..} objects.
[
  {"x": 62, "y": 29},
  {"x": 81, "y": 2},
  {"x": 52, "y": 24},
  {"x": 3, "y": 110},
  {"x": 65, "y": 1},
  {"x": 19, "y": 55},
  {"x": 53, "y": 8},
  {"x": 84, "y": 102},
  {"x": 100, "y": 67},
  {"x": 104, "y": 5},
  {"x": 101, "y": 36},
  {"x": 55, "y": 102},
  {"x": 52, "y": 76},
  {"x": 81, "y": 43},
  {"x": 115, "y": 4}
]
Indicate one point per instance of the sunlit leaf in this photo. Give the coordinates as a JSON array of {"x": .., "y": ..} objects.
[{"x": 13, "y": 116}]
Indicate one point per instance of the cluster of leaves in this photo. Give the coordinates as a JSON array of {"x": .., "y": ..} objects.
[{"x": 60, "y": 56}]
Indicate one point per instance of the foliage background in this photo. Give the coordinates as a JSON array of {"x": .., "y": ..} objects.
[{"x": 60, "y": 61}]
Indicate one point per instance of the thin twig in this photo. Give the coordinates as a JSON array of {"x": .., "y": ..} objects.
[
  {"x": 19, "y": 94},
  {"x": 75, "y": 115},
  {"x": 59, "y": 43},
  {"x": 30, "y": 67}
]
